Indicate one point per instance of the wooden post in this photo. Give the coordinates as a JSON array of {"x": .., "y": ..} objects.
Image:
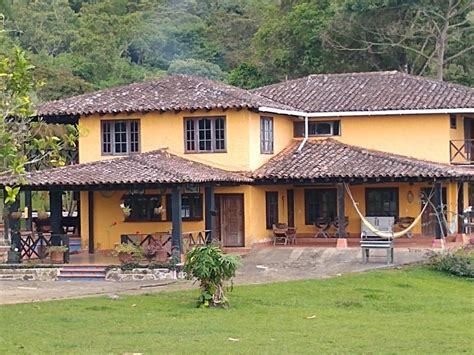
[
  {"x": 90, "y": 220},
  {"x": 176, "y": 222},
  {"x": 14, "y": 225},
  {"x": 439, "y": 233},
  {"x": 209, "y": 212},
  {"x": 341, "y": 211},
  {"x": 29, "y": 205},
  {"x": 56, "y": 214},
  {"x": 6, "y": 222}
]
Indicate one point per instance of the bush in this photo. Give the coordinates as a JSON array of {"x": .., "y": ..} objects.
[
  {"x": 211, "y": 267},
  {"x": 459, "y": 263}
]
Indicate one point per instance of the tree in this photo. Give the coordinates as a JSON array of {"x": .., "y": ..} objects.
[
  {"x": 211, "y": 267},
  {"x": 248, "y": 76},
  {"x": 197, "y": 68},
  {"x": 25, "y": 140},
  {"x": 419, "y": 36}
]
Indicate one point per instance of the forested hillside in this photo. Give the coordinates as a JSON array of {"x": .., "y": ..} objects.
[{"x": 79, "y": 46}]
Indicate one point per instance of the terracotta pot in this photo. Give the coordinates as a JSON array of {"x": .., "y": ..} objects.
[
  {"x": 161, "y": 256},
  {"x": 125, "y": 258},
  {"x": 15, "y": 215},
  {"x": 57, "y": 257},
  {"x": 42, "y": 252},
  {"x": 43, "y": 215}
]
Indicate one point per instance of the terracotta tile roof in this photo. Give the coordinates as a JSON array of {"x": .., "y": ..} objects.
[
  {"x": 373, "y": 91},
  {"x": 329, "y": 159},
  {"x": 177, "y": 92},
  {"x": 153, "y": 167}
]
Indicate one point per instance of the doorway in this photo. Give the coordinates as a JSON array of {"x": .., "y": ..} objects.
[
  {"x": 429, "y": 220},
  {"x": 229, "y": 221}
]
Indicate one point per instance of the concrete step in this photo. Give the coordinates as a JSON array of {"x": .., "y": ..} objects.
[{"x": 82, "y": 273}]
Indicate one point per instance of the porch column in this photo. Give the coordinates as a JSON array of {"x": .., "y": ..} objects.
[
  {"x": 56, "y": 214},
  {"x": 341, "y": 211},
  {"x": 209, "y": 212},
  {"x": 176, "y": 222},
  {"x": 90, "y": 220},
  {"x": 14, "y": 224},
  {"x": 439, "y": 233},
  {"x": 29, "y": 206},
  {"x": 6, "y": 222}
]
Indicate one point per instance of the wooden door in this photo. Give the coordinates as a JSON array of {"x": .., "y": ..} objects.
[
  {"x": 231, "y": 216},
  {"x": 429, "y": 219},
  {"x": 290, "y": 199}
]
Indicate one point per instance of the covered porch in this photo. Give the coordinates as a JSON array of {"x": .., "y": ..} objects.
[{"x": 148, "y": 198}]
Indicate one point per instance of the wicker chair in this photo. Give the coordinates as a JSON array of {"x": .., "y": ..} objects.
[{"x": 280, "y": 234}]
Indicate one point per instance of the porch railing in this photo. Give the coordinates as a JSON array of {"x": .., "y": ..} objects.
[
  {"x": 140, "y": 240},
  {"x": 189, "y": 239},
  {"x": 461, "y": 151},
  {"x": 34, "y": 245}
]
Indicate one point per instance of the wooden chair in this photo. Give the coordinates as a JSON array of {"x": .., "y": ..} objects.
[
  {"x": 402, "y": 223},
  {"x": 336, "y": 225},
  {"x": 322, "y": 225},
  {"x": 280, "y": 234}
]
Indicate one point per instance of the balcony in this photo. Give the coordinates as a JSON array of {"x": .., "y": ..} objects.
[{"x": 461, "y": 151}]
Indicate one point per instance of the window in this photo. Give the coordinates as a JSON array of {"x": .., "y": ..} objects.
[
  {"x": 266, "y": 135},
  {"x": 271, "y": 208},
  {"x": 452, "y": 121},
  {"x": 143, "y": 207},
  {"x": 120, "y": 137},
  {"x": 204, "y": 134},
  {"x": 382, "y": 202},
  {"x": 317, "y": 129},
  {"x": 191, "y": 207},
  {"x": 320, "y": 203}
]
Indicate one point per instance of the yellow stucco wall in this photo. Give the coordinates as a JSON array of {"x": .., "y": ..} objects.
[
  {"x": 109, "y": 222},
  {"x": 166, "y": 131},
  {"x": 420, "y": 136}
]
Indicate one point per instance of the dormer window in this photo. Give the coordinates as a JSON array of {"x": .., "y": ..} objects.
[
  {"x": 120, "y": 137},
  {"x": 204, "y": 134},
  {"x": 318, "y": 129}
]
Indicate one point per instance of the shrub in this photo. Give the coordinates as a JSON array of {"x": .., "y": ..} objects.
[
  {"x": 459, "y": 263},
  {"x": 211, "y": 267}
]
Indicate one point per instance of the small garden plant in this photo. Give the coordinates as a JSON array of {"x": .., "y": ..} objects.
[
  {"x": 459, "y": 263},
  {"x": 212, "y": 268}
]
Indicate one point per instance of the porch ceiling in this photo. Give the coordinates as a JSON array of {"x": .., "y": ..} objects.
[
  {"x": 156, "y": 167},
  {"x": 329, "y": 159}
]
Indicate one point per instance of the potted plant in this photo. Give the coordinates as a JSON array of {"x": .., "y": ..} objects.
[
  {"x": 15, "y": 215},
  {"x": 159, "y": 211},
  {"x": 13, "y": 256},
  {"x": 42, "y": 215},
  {"x": 127, "y": 252},
  {"x": 126, "y": 210},
  {"x": 56, "y": 253},
  {"x": 150, "y": 250}
]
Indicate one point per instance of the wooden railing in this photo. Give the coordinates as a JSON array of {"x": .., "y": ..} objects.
[
  {"x": 461, "y": 151},
  {"x": 33, "y": 245},
  {"x": 163, "y": 239},
  {"x": 189, "y": 239}
]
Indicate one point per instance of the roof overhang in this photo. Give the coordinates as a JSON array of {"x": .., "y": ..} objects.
[{"x": 445, "y": 111}]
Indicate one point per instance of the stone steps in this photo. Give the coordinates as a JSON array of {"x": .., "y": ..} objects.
[{"x": 82, "y": 273}]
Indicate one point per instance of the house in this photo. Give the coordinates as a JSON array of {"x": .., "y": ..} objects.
[{"x": 189, "y": 154}]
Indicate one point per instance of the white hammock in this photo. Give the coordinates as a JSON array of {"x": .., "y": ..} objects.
[{"x": 383, "y": 234}]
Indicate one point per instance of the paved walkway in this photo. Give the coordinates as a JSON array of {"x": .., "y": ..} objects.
[{"x": 260, "y": 266}]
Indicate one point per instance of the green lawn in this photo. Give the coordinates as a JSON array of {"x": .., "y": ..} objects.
[{"x": 397, "y": 311}]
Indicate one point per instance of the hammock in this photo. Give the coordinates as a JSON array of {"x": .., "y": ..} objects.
[{"x": 383, "y": 234}]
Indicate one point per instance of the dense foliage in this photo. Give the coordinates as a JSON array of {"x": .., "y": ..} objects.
[
  {"x": 211, "y": 267},
  {"x": 459, "y": 263},
  {"x": 82, "y": 45}
]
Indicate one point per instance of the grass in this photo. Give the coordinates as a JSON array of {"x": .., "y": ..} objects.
[{"x": 414, "y": 310}]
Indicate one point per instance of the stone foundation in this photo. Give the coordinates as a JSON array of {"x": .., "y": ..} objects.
[
  {"x": 142, "y": 274},
  {"x": 29, "y": 274}
]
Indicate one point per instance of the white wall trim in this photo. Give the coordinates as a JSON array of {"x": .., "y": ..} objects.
[{"x": 303, "y": 114}]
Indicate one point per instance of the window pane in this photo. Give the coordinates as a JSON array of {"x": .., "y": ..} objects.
[
  {"x": 271, "y": 207},
  {"x": 320, "y": 203},
  {"x": 143, "y": 207},
  {"x": 266, "y": 135},
  {"x": 323, "y": 128},
  {"x": 382, "y": 202},
  {"x": 106, "y": 138},
  {"x": 205, "y": 135},
  {"x": 190, "y": 143},
  {"x": 220, "y": 133},
  {"x": 120, "y": 137},
  {"x": 134, "y": 136}
]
